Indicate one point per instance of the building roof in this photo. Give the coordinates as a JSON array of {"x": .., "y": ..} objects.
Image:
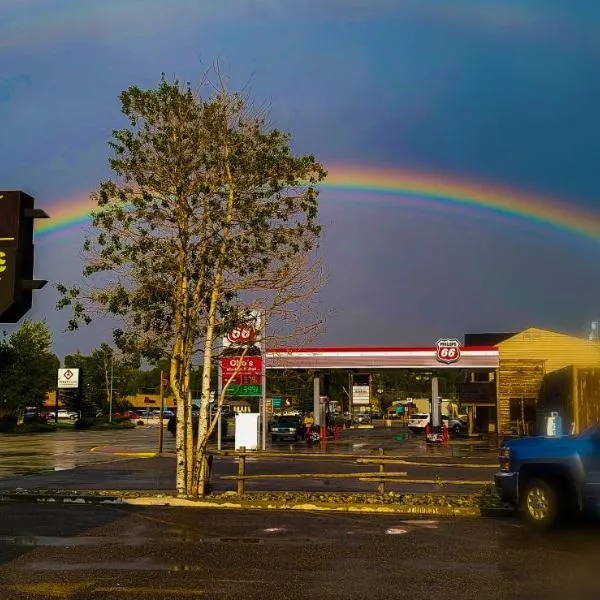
[{"x": 487, "y": 339}]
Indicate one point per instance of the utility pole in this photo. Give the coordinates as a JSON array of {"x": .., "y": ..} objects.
[{"x": 110, "y": 394}]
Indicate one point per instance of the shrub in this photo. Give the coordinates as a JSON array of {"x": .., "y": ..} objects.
[
  {"x": 8, "y": 423},
  {"x": 34, "y": 428}
]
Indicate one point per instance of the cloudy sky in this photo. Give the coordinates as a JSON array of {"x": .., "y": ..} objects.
[{"x": 499, "y": 93}]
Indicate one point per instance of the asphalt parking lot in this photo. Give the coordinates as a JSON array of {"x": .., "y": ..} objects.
[{"x": 90, "y": 552}]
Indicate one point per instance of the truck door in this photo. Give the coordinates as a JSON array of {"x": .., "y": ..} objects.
[{"x": 592, "y": 475}]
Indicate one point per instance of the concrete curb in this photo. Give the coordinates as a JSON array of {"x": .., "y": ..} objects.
[
  {"x": 403, "y": 509},
  {"x": 166, "y": 500},
  {"x": 60, "y": 498}
]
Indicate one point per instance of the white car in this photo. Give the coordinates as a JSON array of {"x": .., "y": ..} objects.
[
  {"x": 419, "y": 421},
  {"x": 63, "y": 414}
]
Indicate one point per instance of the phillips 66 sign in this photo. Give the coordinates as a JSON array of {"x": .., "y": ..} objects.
[
  {"x": 246, "y": 334},
  {"x": 447, "y": 351}
]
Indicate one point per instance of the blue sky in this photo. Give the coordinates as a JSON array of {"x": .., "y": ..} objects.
[{"x": 501, "y": 91}]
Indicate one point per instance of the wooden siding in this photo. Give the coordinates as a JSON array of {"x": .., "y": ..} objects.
[
  {"x": 588, "y": 392},
  {"x": 575, "y": 394},
  {"x": 556, "y": 350},
  {"x": 519, "y": 379},
  {"x": 483, "y": 392}
]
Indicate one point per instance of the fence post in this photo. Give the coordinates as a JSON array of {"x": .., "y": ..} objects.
[
  {"x": 381, "y": 485},
  {"x": 241, "y": 471}
]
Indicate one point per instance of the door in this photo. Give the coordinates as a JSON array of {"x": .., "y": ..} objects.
[{"x": 592, "y": 471}]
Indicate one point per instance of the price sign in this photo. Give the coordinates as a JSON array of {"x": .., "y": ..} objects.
[{"x": 243, "y": 390}]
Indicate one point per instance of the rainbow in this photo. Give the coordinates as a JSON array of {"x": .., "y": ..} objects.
[{"x": 427, "y": 189}]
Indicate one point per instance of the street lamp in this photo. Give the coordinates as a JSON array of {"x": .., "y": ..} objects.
[{"x": 110, "y": 394}]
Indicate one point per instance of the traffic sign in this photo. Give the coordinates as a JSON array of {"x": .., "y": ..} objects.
[
  {"x": 276, "y": 401},
  {"x": 245, "y": 390}
]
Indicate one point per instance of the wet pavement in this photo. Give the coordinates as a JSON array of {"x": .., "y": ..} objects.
[
  {"x": 89, "y": 552},
  {"x": 67, "y": 449},
  {"x": 91, "y": 460}
]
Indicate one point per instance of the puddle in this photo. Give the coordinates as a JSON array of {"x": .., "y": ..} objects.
[
  {"x": 395, "y": 531},
  {"x": 139, "y": 565},
  {"x": 64, "y": 542}
]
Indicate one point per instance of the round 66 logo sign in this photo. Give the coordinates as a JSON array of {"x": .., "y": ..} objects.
[
  {"x": 447, "y": 350},
  {"x": 242, "y": 335}
]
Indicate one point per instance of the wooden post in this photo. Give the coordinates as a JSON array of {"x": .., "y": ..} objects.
[
  {"x": 381, "y": 485},
  {"x": 241, "y": 471}
]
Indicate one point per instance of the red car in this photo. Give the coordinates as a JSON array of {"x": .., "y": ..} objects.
[{"x": 128, "y": 414}]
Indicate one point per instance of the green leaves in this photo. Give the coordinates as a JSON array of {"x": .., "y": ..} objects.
[{"x": 27, "y": 366}]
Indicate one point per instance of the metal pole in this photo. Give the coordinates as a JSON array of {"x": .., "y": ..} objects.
[
  {"x": 162, "y": 408},
  {"x": 316, "y": 399},
  {"x": 264, "y": 381},
  {"x": 110, "y": 396},
  {"x": 219, "y": 392},
  {"x": 435, "y": 404}
]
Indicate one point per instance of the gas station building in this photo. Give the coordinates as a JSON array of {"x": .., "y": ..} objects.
[{"x": 511, "y": 380}]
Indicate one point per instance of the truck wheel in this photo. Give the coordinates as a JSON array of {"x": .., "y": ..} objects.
[{"x": 540, "y": 503}]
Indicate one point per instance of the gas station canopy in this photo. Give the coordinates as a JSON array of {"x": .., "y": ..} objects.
[{"x": 423, "y": 357}]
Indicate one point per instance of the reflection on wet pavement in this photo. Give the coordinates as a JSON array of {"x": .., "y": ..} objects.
[{"x": 63, "y": 450}]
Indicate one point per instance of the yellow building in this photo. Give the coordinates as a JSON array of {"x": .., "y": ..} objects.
[{"x": 528, "y": 360}]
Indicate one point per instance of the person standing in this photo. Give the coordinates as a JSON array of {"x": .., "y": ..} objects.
[{"x": 308, "y": 424}]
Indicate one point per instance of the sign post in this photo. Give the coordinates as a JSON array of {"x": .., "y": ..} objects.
[
  {"x": 247, "y": 373},
  {"x": 67, "y": 379}
]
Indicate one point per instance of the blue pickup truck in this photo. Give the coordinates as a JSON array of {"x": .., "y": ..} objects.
[{"x": 550, "y": 477}]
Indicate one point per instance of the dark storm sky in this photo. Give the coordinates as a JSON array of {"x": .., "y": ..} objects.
[{"x": 501, "y": 91}]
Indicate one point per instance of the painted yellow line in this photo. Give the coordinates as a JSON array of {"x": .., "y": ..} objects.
[
  {"x": 440, "y": 482},
  {"x": 48, "y": 589},
  {"x": 165, "y": 592},
  {"x": 315, "y": 475},
  {"x": 135, "y": 454},
  {"x": 392, "y": 461}
]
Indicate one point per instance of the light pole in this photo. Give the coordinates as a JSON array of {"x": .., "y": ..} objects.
[{"x": 110, "y": 394}]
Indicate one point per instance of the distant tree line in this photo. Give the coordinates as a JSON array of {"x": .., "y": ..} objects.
[{"x": 29, "y": 370}]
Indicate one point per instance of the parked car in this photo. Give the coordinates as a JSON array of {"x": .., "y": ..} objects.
[
  {"x": 551, "y": 477},
  {"x": 167, "y": 414},
  {"x": 31, "y": 414},
  {"x": 417, "y": 423},
  {"x": 130, "y": 414},
  {"x": 64, "y": 414},
  {"x": 286, "y": 427},
  {"x": 362, "y": 419}
]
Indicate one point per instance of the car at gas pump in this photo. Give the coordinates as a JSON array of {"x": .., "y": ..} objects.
[
  {"x": 417, "y": 423},
  {"x": 286, "y": 427}
]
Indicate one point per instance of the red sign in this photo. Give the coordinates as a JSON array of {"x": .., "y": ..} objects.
[
  {"x": 243, "y": 334},
  {"x": 447, "y": 351},
  {"x": 244, "y": 370}
]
